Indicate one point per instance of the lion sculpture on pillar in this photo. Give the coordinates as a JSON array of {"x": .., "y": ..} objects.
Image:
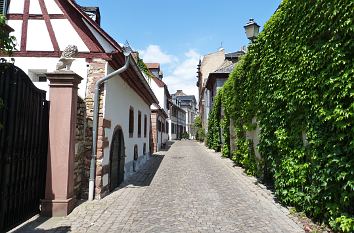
[{"x": 67, "y": 57}]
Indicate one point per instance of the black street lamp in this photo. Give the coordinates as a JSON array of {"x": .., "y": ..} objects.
[{"x": 252, "y": 30}]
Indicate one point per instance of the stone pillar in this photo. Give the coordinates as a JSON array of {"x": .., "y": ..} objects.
[{"x": 59, "y": 194}]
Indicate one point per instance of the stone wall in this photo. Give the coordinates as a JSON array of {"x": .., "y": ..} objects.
[
  {"x": 80, "y": 148},
  {"x": 96, "y": 70},
  {"x": 154, "y": 132}
]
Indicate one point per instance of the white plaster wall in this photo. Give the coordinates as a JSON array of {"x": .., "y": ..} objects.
[
  {"x": 165, "y": 99},
  {"x": 159, "y": 93},
  {"x": 118, "y": 99},
  {"x": 17, "y": 26},
  {"x": 104, "y": 43},
  {"x": 172, "y": 136},
  {"x": 38, "y": 38},
  {"x": 52, "y": 7},
  {"x": 66, "y": 35},
  {"x": 164, "y": 137},
  {"x": 35, "y": 7},
  {"x": 49, "y": 64},
  {"x": 172, "y": 120},
  {"x": 169, "y": 128},
  {"x": 16, "y": 7}
]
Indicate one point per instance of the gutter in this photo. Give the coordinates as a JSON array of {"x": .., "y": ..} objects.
[{"x": 127, "y": 51}]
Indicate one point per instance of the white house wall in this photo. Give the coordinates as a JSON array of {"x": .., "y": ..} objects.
[
  {"x": 66, "y": 35},
  {"x": 49, "y": 64},
  {"x": 35, "y": 8},
  {"x": 159, "y": 93},
  {"x": 38, "y": 38},
  {"x": 103, "y": 42},
  {"x": 119, "y": 97},
  {"x": 16, "y": 7},
  {"x": 17, "y": 26},
  {"x": 164, "y": 136},
  {"x": 172, "y": 136},
  {"x": 52, "y": 7}
]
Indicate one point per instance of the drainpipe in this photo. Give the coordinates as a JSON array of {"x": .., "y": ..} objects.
[{"x": 126, "y": 51}]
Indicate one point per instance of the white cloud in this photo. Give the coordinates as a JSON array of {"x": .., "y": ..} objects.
[
  {"x": 183, "y": 77},
  {"x": 179, "y": 73},
  {"x": 153, "y": 53}
]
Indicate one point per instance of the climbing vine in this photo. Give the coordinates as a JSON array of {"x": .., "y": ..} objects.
[
  {"x": 297, "y": 80},
  {"x": 142, "y": 66},
  {"x": 214, "y": 133},
  {"x": 198, "y": 128},
  {"x": 7, "y": 43}
]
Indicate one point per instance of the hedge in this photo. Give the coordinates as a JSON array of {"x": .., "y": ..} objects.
[{"x": 297, "y": 79}]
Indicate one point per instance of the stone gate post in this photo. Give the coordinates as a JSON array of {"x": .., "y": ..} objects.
[{"x": 59, "y": 194}]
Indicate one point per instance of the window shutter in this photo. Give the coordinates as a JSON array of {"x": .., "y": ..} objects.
[{"x": 2, "y": 6}]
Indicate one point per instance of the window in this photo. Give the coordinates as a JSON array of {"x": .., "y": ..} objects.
[
  {"x": 167, "y": 127},
  {"x": 163, "y": 127},
  {"x": 3, "y": 7},
  {"x": 159, "y": 125},
  {"x": 144, "y": 149},
  {"x": 173, "y": 128},
  {"x": 145, "y": 126},
  {"x": 131, "y": 122},
  {"x": 37, "y": 75},
  {"x": 42, "y": 79},
  {"x": 139, "y": 124}
]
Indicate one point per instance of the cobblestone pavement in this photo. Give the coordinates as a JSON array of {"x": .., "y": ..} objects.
[{"x": 193, "y": 190}]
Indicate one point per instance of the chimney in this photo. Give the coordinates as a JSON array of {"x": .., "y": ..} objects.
[
  {"x": 179, "y": 93},
  {"x": 160, "y": 75},
  {"x": 135, "y": 55}
]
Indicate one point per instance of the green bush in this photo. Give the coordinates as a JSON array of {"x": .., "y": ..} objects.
[
  {"x": 214, "y": 124},
  {"x": 297, "y": 79},
  {"x": 185, "y": 135},
  {"x": 198, "y": 128}
]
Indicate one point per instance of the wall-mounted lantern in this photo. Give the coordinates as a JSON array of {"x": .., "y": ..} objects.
[{"x": 252, "y": 29}]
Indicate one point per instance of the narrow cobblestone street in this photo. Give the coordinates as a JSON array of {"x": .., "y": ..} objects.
[{"x": 193, "y": 190}]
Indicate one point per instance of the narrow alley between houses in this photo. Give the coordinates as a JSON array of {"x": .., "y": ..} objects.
[{"x": 186, "y": 188}]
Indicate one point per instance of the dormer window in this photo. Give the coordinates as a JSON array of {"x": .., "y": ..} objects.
[{"x": 93, "y": 13}]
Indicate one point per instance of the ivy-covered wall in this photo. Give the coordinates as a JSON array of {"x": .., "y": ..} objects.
[
  {"x": 214, "y": 120},
  {"x": 298, "y": 80}
]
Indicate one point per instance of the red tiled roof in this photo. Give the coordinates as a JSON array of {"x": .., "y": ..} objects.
[
  {"x": 159, "y": 82},
  {"x": 153, "y": 65}
]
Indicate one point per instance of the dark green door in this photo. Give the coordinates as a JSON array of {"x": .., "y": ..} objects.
[{"x": 117, "y": 159}]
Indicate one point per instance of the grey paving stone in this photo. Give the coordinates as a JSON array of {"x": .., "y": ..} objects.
[{"x": 185, "y": 189}]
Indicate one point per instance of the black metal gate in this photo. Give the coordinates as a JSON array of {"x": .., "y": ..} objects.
[{"x": 23, "y": 146}]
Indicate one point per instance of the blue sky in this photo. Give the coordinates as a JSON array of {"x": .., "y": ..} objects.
[{"x": 176, "y": 33}]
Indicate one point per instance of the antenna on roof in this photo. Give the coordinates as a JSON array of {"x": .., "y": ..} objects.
[
  {"x": 127, "y": 50},
  {"x": 221, "y": 46}
]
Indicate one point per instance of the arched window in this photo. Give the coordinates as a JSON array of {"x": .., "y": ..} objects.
[
  {"x": 144, "y": 149},
  {"x": 131, "y": 122},
  {"x": 136, "y": 152},
  {"x": 145, "y": 126},
  {"x": 139, "y": 124}
]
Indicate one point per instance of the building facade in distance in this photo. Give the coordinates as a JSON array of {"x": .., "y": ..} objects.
[{"x": 189, "y": 104}]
